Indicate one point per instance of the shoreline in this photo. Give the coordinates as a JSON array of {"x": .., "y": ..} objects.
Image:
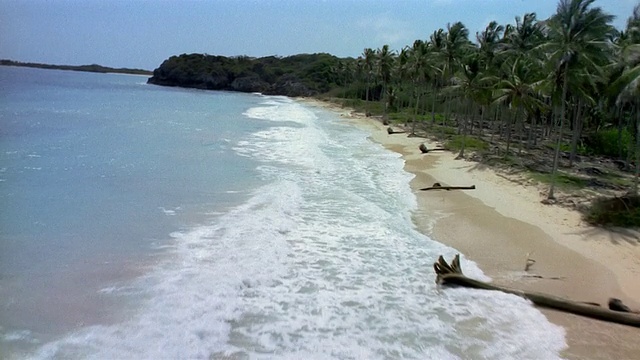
[{"x": 502, "y": 223}]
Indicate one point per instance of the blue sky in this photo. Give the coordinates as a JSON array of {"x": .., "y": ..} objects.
[{"x": 141, "y": 34}]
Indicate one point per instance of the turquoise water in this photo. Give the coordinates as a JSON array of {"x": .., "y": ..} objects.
[{"x": 149, "y": 222}]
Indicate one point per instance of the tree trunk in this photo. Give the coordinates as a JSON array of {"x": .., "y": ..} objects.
[
  {"x": 493, "y": 123},
  {"x": 531, "y": 133},
  {"x": 415, "y": 114},
  {"x": 577, "y": 131},
  {"x": 509, "y": 133},
  {"x": 620, "y": 127},
  {"x": 464, "y": 129},
  {"x": 437, "y": 186},
  {"x": 433, "y": 103},
  {"x": 520, "y": 126},
  {"x": 366, "y": 96},
  {"x": 637, "y": 151},
  {"x": 452, "y": 275},
  {"x": 556, "y": 157}
]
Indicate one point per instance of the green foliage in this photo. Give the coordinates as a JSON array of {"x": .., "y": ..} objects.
[
  {"x": 404, "y": 116},
  {"x": 617, "y": 211},
  {"x": 376, "y": 107},
  {"x": 609, "y": 142},
  {"x": 304, "y": 74},
  {"x": 439, "y": 118},
  {"x": 356, "y": 104},
  {"x": 563, "y": 180},
  {"x": 446, "y": 131},
  {"x": 471, "y": 143}
]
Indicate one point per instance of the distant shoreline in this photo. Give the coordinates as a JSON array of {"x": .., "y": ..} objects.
[{"x": 85, "y": 68}]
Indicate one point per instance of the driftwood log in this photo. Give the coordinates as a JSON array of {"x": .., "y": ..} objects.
[
  {"x": 424, "y": 149},
  {"x": 451, "y": 274},
  {"x": 390, "y": 131},
  {"x": 438, "y": 186}
]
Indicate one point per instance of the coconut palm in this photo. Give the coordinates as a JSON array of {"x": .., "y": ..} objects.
[
  {"x": 488, "y": 47},
  {"x": 418, "y": 65},
  {"x": 627, "y": 86},
  {"x": 470, "y": 86},
  {"x": 456, "y": 46},
  {"x": 578, "y": 36},
  {"x": 488, "y": 41},
  {"x": 385, "y": 61},
  {"x": 522, "y": 38},
  {"x": 401, "y": 74},
  {"x": 436, "y": 45},
  {"x": 368, "y": 56},
  {"x": 520, "y": 90}
]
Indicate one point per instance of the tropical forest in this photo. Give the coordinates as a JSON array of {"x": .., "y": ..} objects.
[{"x": 556, "y": 100}]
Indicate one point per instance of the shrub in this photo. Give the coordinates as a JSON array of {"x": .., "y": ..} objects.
[
  {"x": 471, "y": 143},
  {"x": 606, "y": 142},
  {"x": 621, "y": 211}
]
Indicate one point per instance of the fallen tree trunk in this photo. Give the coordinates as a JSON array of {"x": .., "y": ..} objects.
[
  {"x": 390, "y": 131},
  {"x": 452, "y": 275},
  {"x": 437, "y": 186},
  {"x": 424, "y": 149}
]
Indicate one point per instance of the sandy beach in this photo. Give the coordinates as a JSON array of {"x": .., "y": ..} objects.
[{"x": 501, "y": 223}]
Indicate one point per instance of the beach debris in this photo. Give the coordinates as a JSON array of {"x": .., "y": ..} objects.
[
  {"x": 424, "y": 149},
  {"x": 391, "y": 131},
  {"x": 618, "y": 305},
  {"x": 438, "y": 186},
  {"x": 545, "y": 277},
  {"x": 451, "y": 274},
  {"x": 529, "y": 263}
]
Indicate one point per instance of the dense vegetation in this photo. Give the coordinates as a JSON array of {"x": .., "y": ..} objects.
[
  {"x": 541, "y": 94},
  {"x": 298, "y": 75},
  {"x": 88, "y": 68},
  {"x": 538, "y": 95}
]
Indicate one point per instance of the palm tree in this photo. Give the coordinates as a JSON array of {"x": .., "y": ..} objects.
[
  {"x": 522, "y": 38},
  {"x": 436, "y": 45},
  {"x": 385, "y": 61},
  {"x": 577, "y": 41},
  {"x": 400, "y": 77},
  {"x": 456, "y": 45},
  {"x": 520, "y": 90},
  {"x": 627, "y": 86},
  {"x": 470, "y": 86},
  {"x": 369, "y": 58},
  {"x": 488, "y": 43}
]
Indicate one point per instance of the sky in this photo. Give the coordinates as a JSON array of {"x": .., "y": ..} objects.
[{"x": 142, "y": 33}]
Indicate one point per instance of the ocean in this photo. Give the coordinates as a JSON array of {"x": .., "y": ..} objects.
[{"x": 149, "y": 222}]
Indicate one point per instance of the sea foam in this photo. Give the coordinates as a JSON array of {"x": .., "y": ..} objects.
[{"x": 322, "y": 262}]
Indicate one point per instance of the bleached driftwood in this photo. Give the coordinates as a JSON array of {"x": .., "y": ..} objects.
[
  {"x": 438, "y": 186},
  {"x": 451, "y": 274},
  {"x": 424, "y": 149},
  {"x": 390, "y": 131}
]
